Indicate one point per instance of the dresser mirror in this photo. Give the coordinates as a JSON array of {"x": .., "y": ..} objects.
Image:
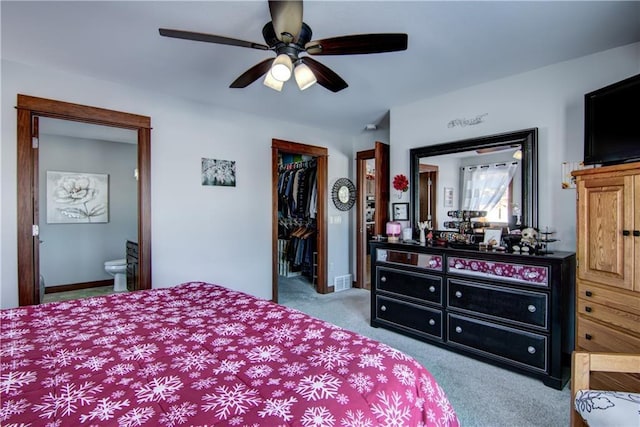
[{"x": 438, "y": 170}]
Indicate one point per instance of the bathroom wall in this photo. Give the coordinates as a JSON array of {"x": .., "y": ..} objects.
[{"x": 75, "y": 253}]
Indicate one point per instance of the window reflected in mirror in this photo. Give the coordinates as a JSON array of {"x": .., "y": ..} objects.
[{"x": 492, "y": 180}]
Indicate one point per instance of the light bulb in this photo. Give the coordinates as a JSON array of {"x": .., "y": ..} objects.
[
  {"x": 271, "y": 82},
  {"x": 281, "y": 68},
  {"x": 304, "y": 76}
]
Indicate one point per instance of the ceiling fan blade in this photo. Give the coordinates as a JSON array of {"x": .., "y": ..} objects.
[
  {"x": 358, "y": 44},
  {"x": 326, "y": 78},
  {"x": 210, "y": 38},
  {"x": 252, "y": 74},
  {"x": 287, "y": 18}
]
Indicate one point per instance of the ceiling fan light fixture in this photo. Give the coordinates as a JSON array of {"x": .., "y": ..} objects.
[
  {"x": 272, "y": 82},
  {"x": 282, "y": 67},
  {"x": 304, "y": 76}
]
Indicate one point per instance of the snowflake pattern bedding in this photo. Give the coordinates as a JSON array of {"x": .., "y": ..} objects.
[{"x": 201, "y": 354}]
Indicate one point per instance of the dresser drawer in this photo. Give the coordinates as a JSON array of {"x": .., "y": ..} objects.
[
  {"x": 419, "y": 286},
  {"x": 627, "y": 301},
  {"x": 498, "y": 341},
  {"x": 589, "y": 309},
  {"x": 593, "y": 336},
  {"x": 520, "y": 273},
  {"x": 525, "y": 307},
  {"x": 423, "y": 261},
  {"x": 408, "y": 316}
]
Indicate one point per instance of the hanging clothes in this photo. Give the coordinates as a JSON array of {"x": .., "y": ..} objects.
[{"x": 297, "y": 210}]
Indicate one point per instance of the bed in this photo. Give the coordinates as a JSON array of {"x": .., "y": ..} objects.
[{"x": 201, "y": 354}]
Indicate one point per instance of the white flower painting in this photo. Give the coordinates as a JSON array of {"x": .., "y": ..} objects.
[
  {"x": 77, "y": 197},
  {"x": 218, "y": 172}
]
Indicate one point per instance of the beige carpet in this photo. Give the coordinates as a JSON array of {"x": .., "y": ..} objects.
[{"x": 482, "y": 394}]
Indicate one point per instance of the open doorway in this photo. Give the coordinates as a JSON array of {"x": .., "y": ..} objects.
[
  {"x": 372, "y": 205},
  {"x": 29, "y": 109},
  {"x": 299, "y": 235},
  {"x": 428, "y": 193}
]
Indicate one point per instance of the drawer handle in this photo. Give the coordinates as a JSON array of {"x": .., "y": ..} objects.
[
  {"x": 588, "y": 293},
  {"x": 587, "y": 309},
  {"x": 626, "y": 232},
  {"x": 432, "y": 288},
  {"x": 531, "y": 349},
  {"x": 432, "y": 322},
  {"x": 531, "y": 308},
  {"x": 636, "y": 233},
  {"x": 458, "y": 294},
  {"x": 383, "y": 308},
  {"x": 458, "y": 329},
  {"x": 383, "y": 279},
  {"x": 588, "y": 336}
]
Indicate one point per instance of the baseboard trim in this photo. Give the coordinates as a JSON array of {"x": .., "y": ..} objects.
[{"x": 77, "y": 286}]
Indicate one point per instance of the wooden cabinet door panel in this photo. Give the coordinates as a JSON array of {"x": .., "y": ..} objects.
[
  {"x": 636, "y": 231},
  {"x": 604, "y": 212}
]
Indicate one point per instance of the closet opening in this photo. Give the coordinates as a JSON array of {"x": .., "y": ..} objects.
[{"x": 299, "y": 225}]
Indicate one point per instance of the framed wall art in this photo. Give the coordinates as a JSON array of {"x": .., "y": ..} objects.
[
  {"x": 77, "y": 197},
  {"x": 448, "y": 197},
  {"x": 400, "y": 211},
  {"x": 218, "y": 172}
]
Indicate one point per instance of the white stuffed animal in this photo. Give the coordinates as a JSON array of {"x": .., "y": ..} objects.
[
  {"x": 528, "y": 241},
  {"x": 529, "y": 237}
]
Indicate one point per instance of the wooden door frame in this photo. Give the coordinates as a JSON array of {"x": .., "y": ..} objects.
[
  {"x": 435, "y": 171},
  {"x": 381, "y": 213},
  {"x": 278, "y": 147},
  {"x": 29, "y": 107}
]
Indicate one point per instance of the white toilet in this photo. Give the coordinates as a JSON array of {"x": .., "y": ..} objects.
[{"x": 118, "y": 269}]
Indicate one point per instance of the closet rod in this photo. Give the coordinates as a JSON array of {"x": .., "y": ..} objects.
[{"x": 298, "y": 165}]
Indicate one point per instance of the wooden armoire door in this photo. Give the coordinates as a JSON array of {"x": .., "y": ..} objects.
[{"x": 605, "y": 220}]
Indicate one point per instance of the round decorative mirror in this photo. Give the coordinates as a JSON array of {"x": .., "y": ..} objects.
[{"x": 343, "y": 194}]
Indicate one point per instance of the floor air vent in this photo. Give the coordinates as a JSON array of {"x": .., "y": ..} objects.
[{"x": 342, "y": 283}]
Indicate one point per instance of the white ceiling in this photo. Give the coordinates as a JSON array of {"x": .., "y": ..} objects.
[{"x": 452, "y": 45}]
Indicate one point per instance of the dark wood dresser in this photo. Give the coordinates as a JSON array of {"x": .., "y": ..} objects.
[
  {"x": 132, "y": 266},
  {"x": 512, "y": 310}
]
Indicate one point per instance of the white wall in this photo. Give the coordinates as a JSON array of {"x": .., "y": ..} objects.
[
  {"x": 549, "y": 98},
  {"x": 217, "y": 234}
]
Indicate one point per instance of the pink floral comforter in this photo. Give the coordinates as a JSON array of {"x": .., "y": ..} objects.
[{"x": 201, "y": 355}]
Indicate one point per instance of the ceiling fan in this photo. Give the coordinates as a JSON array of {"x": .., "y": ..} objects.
[{"x": 289, "y": 37}]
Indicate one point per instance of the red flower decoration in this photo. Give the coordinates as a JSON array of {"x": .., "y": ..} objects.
[{"x": 400, "y": 182}]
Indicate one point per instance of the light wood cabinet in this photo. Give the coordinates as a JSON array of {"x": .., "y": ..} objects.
[{"x": 608, "y": 266}]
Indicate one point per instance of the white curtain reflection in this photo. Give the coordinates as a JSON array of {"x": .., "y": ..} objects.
[{"x": 484, "y": 185}]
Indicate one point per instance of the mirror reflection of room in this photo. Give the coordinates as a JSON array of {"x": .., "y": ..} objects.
[{"x": 470, "y": 191}]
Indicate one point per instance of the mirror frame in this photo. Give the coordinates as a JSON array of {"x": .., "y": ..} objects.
[{"x": 527, "y": 138}]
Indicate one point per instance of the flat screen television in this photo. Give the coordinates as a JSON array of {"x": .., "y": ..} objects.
[{"x": 612, "y": 123}]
